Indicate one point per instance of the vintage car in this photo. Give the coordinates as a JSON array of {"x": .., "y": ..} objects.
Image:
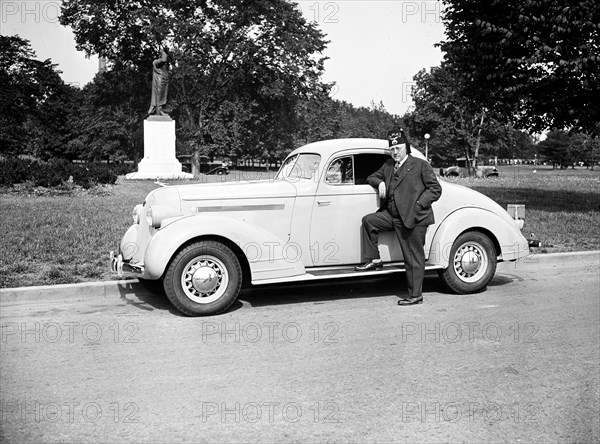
[
  {"x": 461, "y": 169},
  {"x": 202, "y": 242},
  {"x": 206, "y": 166}
]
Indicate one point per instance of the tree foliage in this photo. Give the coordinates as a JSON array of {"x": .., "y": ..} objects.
[
  {"x": 244, "y": 83},
  {"x": 563, "y": 148},
  {"x": 535, "y": 62},
  {"x": 108, "y": 125},
  {"x": 35, "y": 105},
  {"x": 247, "y": 61},
  {"x": 458, "y": 126}
]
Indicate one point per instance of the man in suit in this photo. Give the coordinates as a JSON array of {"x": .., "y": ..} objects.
[{"x": 407, "y": 187}]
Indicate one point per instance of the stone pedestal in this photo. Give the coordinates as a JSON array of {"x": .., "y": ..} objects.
[{"x": 159, "y": 160}]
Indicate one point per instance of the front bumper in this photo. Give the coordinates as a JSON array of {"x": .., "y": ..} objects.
[{"x": 122, "y": 268}]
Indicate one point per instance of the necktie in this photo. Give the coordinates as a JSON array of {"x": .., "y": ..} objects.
[{"x": 396, "y": 167}]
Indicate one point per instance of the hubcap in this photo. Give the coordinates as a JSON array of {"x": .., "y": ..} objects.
[
  {"x": 470, "y": 262},
  {"x": 204, "y": 279}
]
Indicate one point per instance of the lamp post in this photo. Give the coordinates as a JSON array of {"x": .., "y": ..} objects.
[{"x": 427, "y": 136}]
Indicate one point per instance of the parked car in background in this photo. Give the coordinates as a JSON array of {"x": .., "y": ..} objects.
[
  {"x": 201, "y": 242},
  {"x": 206, "y": 166},
  {"x": 461, "y": 169}
]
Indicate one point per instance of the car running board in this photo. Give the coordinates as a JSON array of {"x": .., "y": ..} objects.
[{"x": 320, "y": 273}]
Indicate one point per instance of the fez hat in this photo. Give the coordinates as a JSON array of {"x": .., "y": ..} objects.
[{"x": 398, "y": 137}]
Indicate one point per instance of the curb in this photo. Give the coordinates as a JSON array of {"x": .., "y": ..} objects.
[
  {"x": 72, "y": 292},
  {"x": 553, "y": 258},
  {"x": 130, "y": 287}
]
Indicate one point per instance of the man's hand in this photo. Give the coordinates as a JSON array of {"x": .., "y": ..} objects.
[{"x": 382, "y": 190}]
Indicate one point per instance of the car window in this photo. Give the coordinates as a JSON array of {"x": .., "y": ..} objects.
[
  {"x": 300, "y": 166},
  {"x": 286, "y": 168},
  {"x": 340, "y": 171},
  {"x": 366, "y": 164}
]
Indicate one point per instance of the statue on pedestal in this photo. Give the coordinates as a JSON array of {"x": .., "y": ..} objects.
[{"x": 160, "y": 84}]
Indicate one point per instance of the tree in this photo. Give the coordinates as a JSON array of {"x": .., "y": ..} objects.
[
  {"x": 442, "y": 111},
  {"x": 590, "y": 149},
  {"x": 109, "y": 123},
  {"x": 457, "y": 126},
  {"x": 52, "y": 128},
  {"x": 35, "y": 104},
  {"x": 583, "y": 148},
  {"x": 555, "y": 147},
  {"x": 534, "y": 62},
  {"x": 18, "y": 72},
  {"x": 317, "y": 117},
  {"x": 226, "y": 54}
]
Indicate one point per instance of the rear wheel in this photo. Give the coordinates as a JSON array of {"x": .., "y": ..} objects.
[
  {"x": 472, "y": 264},
  {"x": 203, "y": 279}
]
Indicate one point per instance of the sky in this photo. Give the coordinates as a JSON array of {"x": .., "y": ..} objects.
[{"x": 375, "y": 49}]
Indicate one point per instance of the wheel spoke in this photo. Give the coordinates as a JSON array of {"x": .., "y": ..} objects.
[
  {"x": 470, "y": 261},
  {"x": 204, "y": 279}
]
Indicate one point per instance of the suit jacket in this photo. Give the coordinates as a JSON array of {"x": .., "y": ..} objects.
[{"x": 414, "y": 193}]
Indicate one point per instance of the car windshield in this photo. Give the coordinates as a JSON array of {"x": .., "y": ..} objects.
[{"x": 299, "y": 166}]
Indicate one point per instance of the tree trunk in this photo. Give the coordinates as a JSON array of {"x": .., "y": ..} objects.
[
  {"x": 468, "y": 162},
  {"x": 478, "y": 143},
  {"x": 196, "y": 154}
]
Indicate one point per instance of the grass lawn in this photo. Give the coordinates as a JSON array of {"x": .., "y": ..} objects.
[
  {"x": 55, "y": 239},
  {"x": 562, "y": 207}
]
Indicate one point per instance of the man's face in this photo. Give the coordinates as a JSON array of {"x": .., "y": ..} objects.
[{"x": 398, "y": 152}]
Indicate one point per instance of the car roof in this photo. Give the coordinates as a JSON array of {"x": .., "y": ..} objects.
[{"x": 326, "y": 148}]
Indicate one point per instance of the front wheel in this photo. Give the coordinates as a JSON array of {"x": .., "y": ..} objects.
[
  {"x": 203, "y": 279},
  {"x": 472, "y": 264}
]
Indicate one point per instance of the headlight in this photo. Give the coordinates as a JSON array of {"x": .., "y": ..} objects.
[
  {"x": 149, "y": 219},
  {"x": 136, "y": 213},
  {"x": 157, "y": 213}
]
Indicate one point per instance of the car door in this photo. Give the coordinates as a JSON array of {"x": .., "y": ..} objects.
[{"x": 343, "y": 197}]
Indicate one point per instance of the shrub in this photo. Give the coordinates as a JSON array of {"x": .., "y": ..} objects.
[
  {"x": 90, "y": 174},
  {"x": 56, "y": 172},
  {"x": 14, "y": 171}
]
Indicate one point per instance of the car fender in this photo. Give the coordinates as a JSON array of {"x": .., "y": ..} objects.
[
  {"x": 268, "y": 256},
  {"x": 504, "y": 232}
]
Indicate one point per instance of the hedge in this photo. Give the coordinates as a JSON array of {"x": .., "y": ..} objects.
[{"x": 57, "y": 172}]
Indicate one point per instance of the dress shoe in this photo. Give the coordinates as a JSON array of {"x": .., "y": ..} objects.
[
  {"x": 411, "y": 301},
  {"x": 369, "y": 266}
]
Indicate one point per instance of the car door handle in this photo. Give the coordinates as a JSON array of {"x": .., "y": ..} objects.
[{"x": 324, "y": 202}]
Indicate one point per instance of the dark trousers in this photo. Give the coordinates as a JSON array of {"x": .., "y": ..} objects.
[{"x": 411, "y": 241}]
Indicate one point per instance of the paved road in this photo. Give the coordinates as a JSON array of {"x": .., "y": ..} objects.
[{"x": 335, "y": 362}]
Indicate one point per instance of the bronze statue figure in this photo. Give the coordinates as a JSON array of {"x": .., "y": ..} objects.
[{"x": 160, "y": 84}]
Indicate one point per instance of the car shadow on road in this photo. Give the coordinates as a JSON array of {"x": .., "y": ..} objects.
[
  {"x": 351, "y": 288},
  {"x": 141, "y": 298},
  {"x": 307, "y": 292},
  {"x": 503, "y": 279},
  {"x": 338, "y": 289}
]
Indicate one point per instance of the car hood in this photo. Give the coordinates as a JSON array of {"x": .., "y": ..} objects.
[
  {"x": 182, "y": 196},
  {"x": 237, "y": 190}
]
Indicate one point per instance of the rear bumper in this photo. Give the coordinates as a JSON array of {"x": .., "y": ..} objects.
[{"x": 124, "y": 269}]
